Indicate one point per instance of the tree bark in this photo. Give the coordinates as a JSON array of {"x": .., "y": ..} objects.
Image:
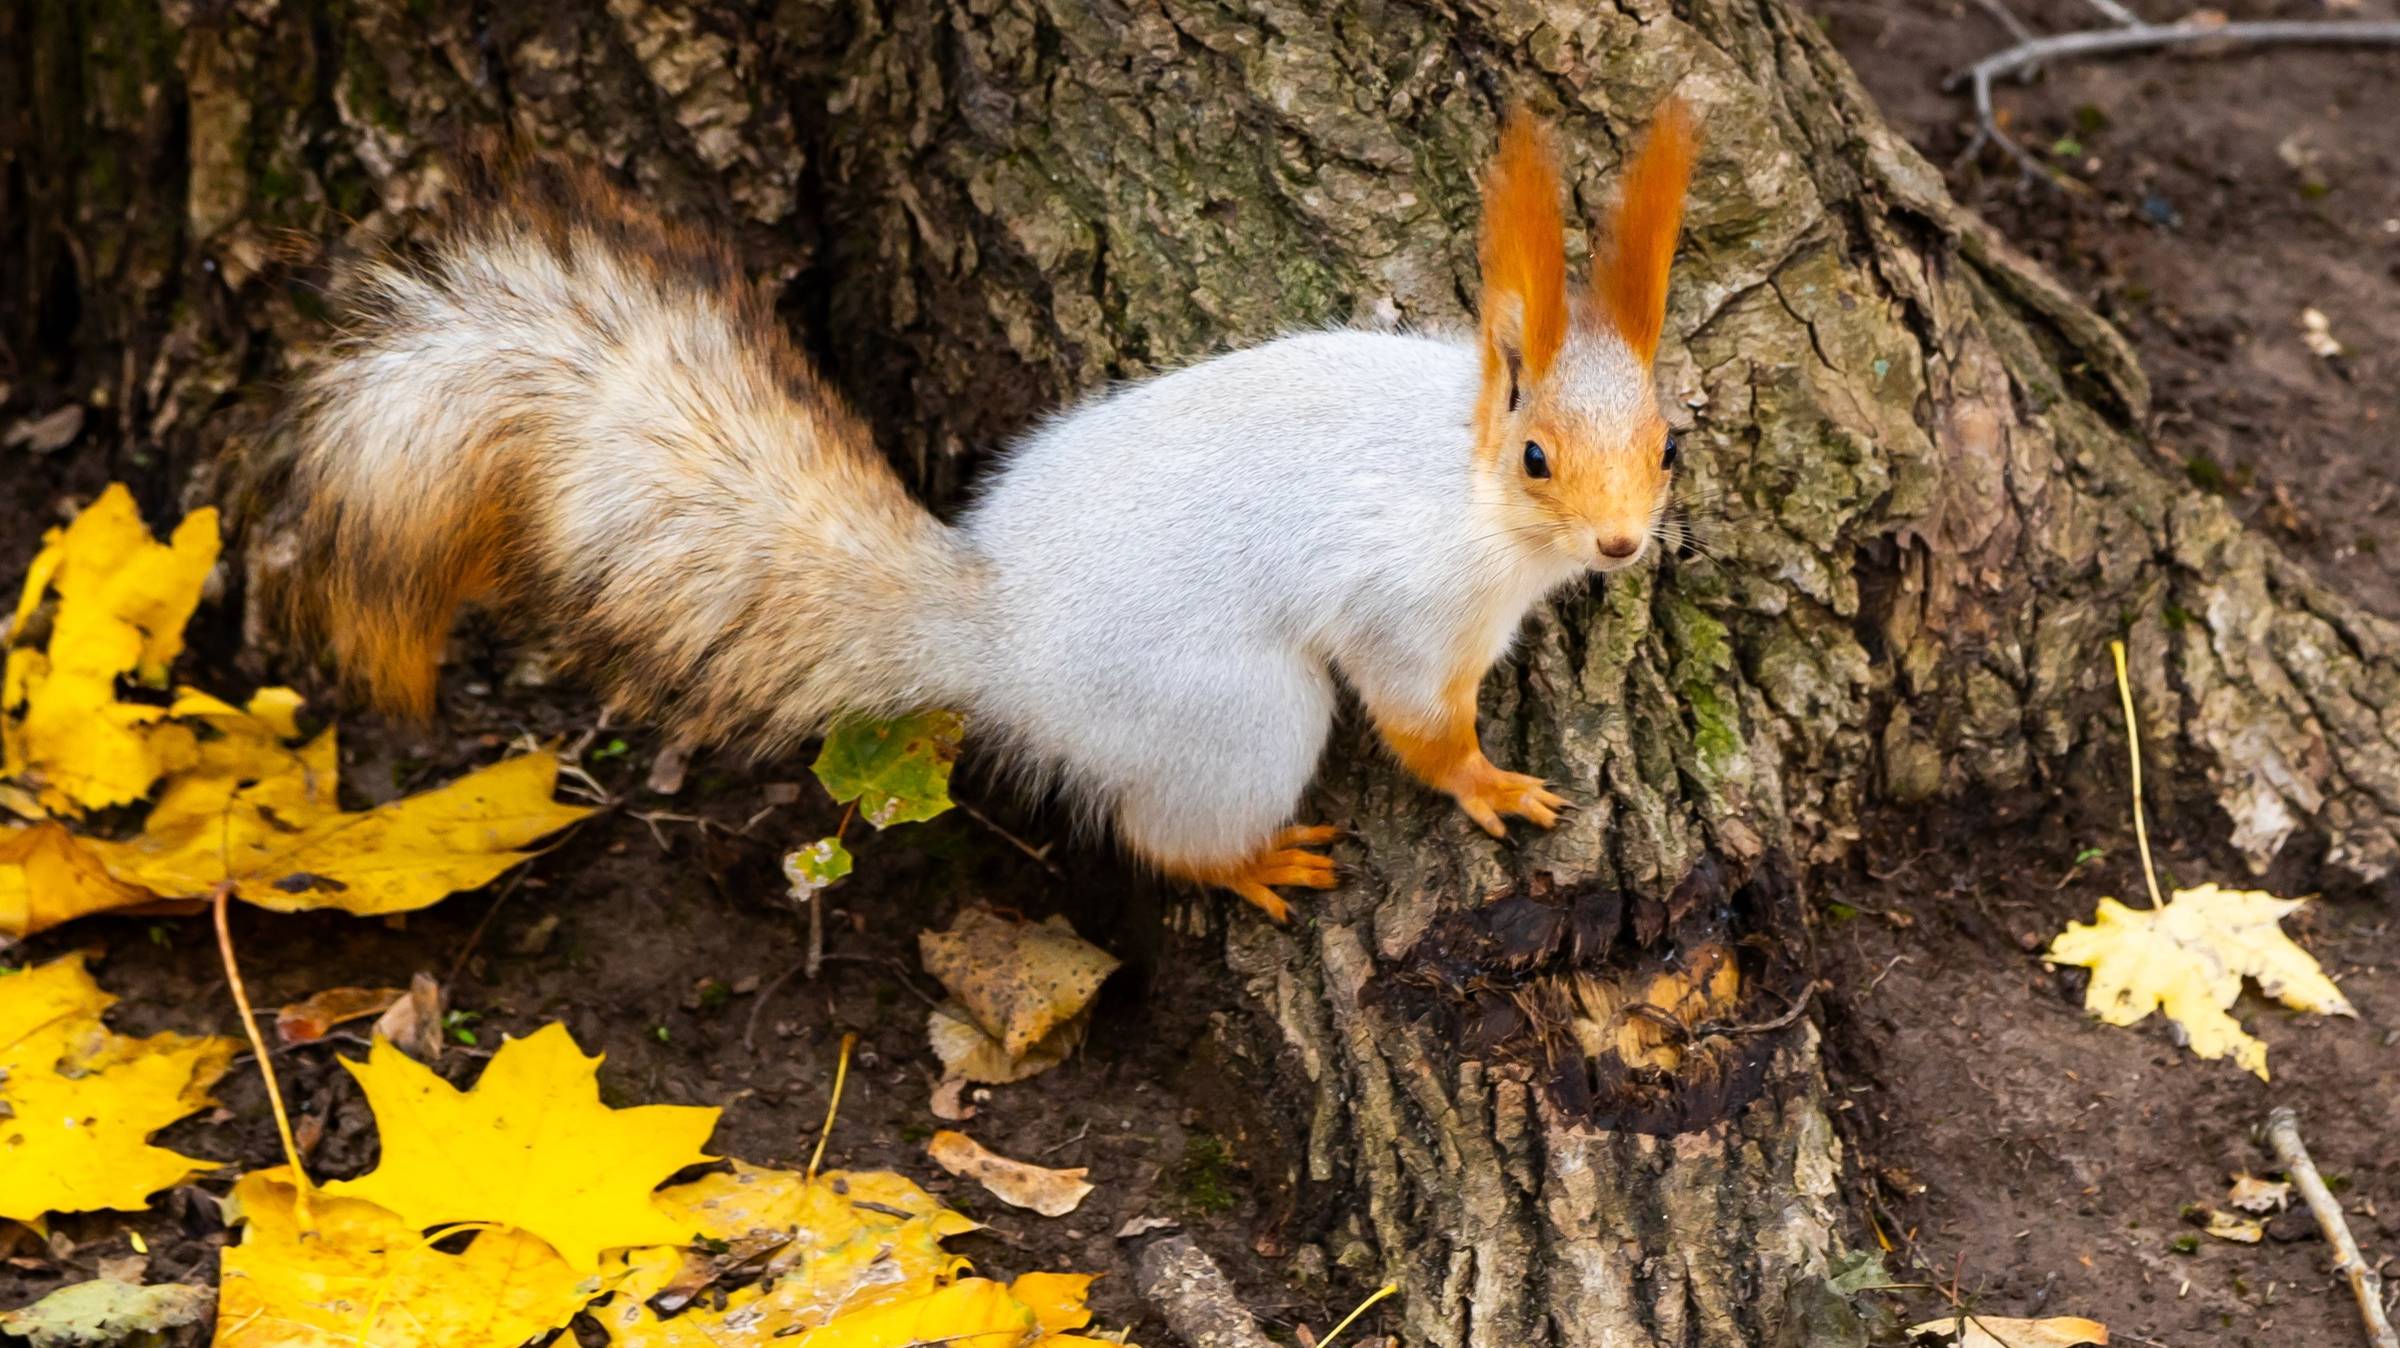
[{"x": 1553, "y": 1088}]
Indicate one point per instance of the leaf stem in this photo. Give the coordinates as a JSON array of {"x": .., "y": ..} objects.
[
  {"x": 841, "y": 1073},
  {"x": 218, "y": 901},
  {"x": 1380, "y": 1293},
  {"x": 2133, "y": 747}
]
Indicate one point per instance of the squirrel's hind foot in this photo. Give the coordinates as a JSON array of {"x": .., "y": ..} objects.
[
  {"x": 1486, "y": 793},
  {"x": 1283, "y": 862}
]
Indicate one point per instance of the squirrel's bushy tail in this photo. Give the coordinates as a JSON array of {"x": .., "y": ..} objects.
[{"x": 585, "y": 418}]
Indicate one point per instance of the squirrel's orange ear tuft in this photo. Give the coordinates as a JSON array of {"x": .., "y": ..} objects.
[
  {"x": 1630, "y": 280},
  {"x": 1524, "y": 253}
]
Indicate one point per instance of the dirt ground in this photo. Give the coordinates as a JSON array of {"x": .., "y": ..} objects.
[
  {"x": 2038, "y": 1160},
  {"x": 2003, "y": 1145}
]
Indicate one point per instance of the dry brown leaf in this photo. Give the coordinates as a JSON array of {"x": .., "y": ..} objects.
[
  {"x": 970, "y": 1053},
  {"x": 2234, "y": 1227},
  {"x": 413, "y": 1024},
  {"x": 950, "y": 1101},
  {"x": 2000, "y": 1331},
  {"x": 1019, "y": 980},
  {"x": 1052, "y": 1193},
  {"x": 2252, "y": 1194},
  {"x": 307, "y": 1021}
]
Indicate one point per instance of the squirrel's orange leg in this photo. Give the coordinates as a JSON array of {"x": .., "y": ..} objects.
[
  {"x": 1281, "y": 862},
  {"x": 1447, "y": 757}
]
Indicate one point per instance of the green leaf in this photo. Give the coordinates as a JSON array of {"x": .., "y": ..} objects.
[
  {"x": 1857, "y": 1271},
  {"x": 898, "y": 771},
  {"x": 814, "y": 868}
]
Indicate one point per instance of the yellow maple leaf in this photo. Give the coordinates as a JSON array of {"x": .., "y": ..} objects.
[
  {"x": 850, "y": 1240},
  {"x": 78, "y": 1102},
  {"x": 286, "y": 847},
  {"x": 531, "y": 1146},
  {"x": 969, "y": 1313},
  {"x": 123, "y": 600},
  {"x": 47, "y": 876},
  {"x": 360, "y": 1275},
  {"x": 2188, "y": 959},
  {"x": 1056, "y": 1299}
]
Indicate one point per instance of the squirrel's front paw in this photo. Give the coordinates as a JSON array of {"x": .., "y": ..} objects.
[
  {"x": 1281, "y": 862},
  {"x": 1486, "y": 793}
]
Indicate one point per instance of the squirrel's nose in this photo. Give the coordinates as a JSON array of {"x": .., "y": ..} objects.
[{"x": 1619, "y": 545}]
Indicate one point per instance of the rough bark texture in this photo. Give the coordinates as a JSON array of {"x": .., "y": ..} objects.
[{"x": 1938, "y": 504}]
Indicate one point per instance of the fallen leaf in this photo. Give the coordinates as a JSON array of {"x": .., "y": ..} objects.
[
  {"x": 106, "y": 1311},
  {"x": 2231, "y": 1226},
  {"x": 1999, "y": 1331},
  {"x": 898, "y": 771},
  {"x": 122, "y": 601},
  {"x": 48, "y": 433},
  {"x": 78, "y": 1102},
  {"x": 1056, "y": 1299},
  {"x": 413, "y": 1024},
  {"x": 1052, "y": 1193},
  {"x": 2252, "y": 1194},
  {"x": 242, "y": 803},
  {"x": 360, "y": 1275},
  {"x": 972, "y": 1311},
  {"x": 306, "y": 1021},
  {"x": 2316, "y": 333},
  {"x": 841, "y": 1242},
  {"x": 2188, "y": 960},
  {"x": 530, "y": 1146},
  {"x": 267, "y": 820},
  {"x": 1019, "y": 980},
  {"x": 969, "y": 1052},
  {"x": 47, "y": 876},
  {"x": 949, "y": 1103}
]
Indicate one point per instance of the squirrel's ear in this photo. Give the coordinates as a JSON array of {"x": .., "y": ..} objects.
[
  {"x": 1524, "y": 258},
  {"x": 1630, "y": 279}
]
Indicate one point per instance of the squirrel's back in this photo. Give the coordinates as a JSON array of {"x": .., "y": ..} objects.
[{"x": 585, "y": 415}]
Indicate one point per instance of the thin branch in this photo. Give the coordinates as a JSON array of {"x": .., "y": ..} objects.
[
  {"x": 2007, "y": 18},
  {"x": 2137, "y": 36},
  {"x": 2118, "y": 14},
  {"x": 2283, "y": 1136}
]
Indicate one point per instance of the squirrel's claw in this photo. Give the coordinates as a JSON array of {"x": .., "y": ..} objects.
[
  {"x": 1487, "y": 793},
  {"x": 1279, "y": 863}
]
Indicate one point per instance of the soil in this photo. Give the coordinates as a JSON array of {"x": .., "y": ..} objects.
[
  {"x": 2003, "y": 1146},
  {"x": 2007, "y": 1145}
]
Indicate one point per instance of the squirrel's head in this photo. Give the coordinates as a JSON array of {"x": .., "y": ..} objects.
[{"x": 1568, "y": 424}]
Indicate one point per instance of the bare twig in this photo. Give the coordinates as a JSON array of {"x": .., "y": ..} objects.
[
  {"x": 2007, "y": 18},
  {"x": 2136, "y": 36},
  {"x": 1791, "y": 1013},
  {"x": 1041, "y": 854},
  {"x": 474, "y": 938},
  {"x": 2118, "y": 14},
  {"x": 758, "y": 1006},
  {"x": 2283, "y": 1136}
]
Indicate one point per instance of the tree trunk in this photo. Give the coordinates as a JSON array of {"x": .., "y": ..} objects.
[{"x": 1552, "y": 1088}]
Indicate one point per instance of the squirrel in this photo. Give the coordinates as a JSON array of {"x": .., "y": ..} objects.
[{"x": 580, "y": 415}]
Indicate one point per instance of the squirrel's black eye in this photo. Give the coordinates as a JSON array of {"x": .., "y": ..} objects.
[
  {"x": 1537, "y": 464},
  {"x": 1666, "y": 457}
]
